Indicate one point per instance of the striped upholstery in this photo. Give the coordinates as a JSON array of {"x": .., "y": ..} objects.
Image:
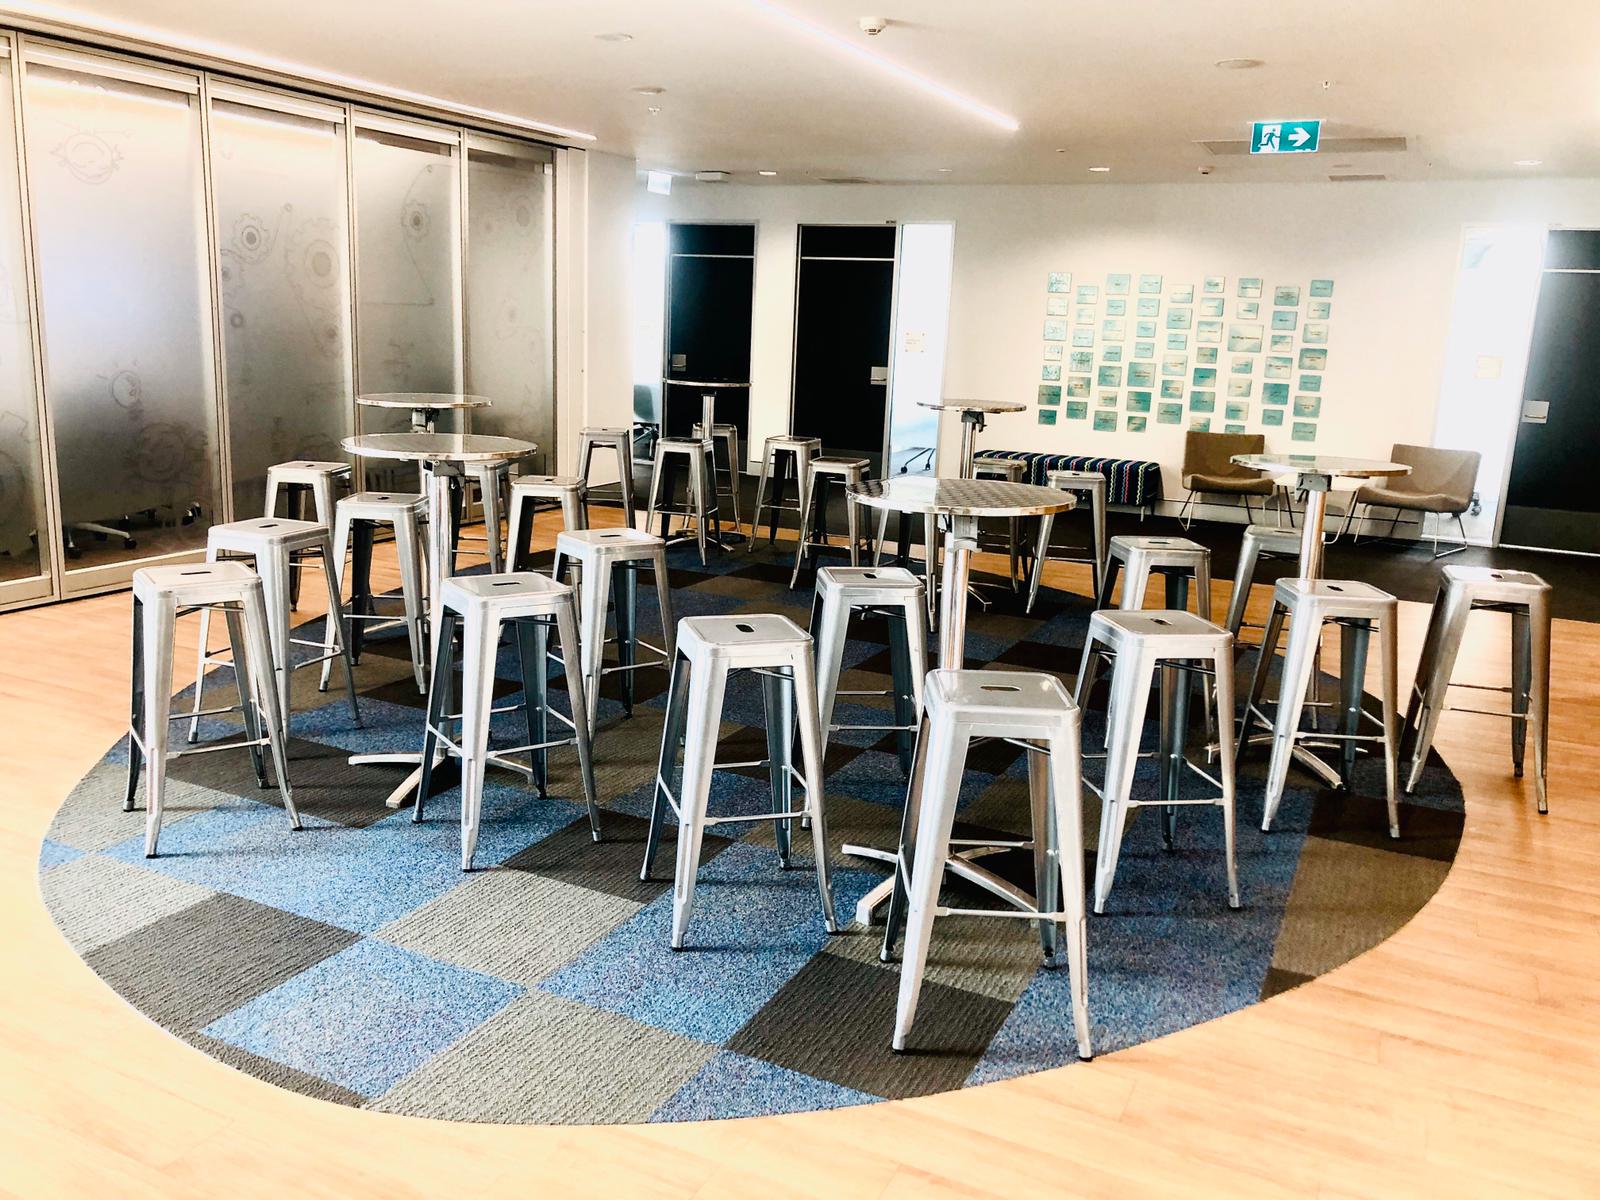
[{"x": 1128, "y": 481}]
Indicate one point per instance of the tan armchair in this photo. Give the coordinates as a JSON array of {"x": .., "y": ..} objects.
[
  {"x": 1208, "y": 469},
  {"x": 1441, "y": 482}
]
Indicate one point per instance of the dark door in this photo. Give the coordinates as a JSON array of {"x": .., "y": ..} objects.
[
  {"x": 711, "y": 272},
  {"x": 1551, "y": 501},
  {"x": 844, "y": 304}
]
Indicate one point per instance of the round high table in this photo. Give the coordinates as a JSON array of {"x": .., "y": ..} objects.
[
  {"x": 973, "y": 413},
  {"x": 958, "y": 504},
  {"x": 441, "y": 457},
  {"x": 708, "y": 423},
  {"x": 1315, "y": 474},
  {"x": 424, "y": 407}
]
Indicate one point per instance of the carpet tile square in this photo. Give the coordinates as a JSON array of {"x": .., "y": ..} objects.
[
  {"x": 610, "y": 866},
  {"x": 93, "y": 818},
  {"x": 180, "y": 974},
  {"x": 53, "y": 854},
  {"x": 95, "y": 900},
  {"x": 516, "y": 926},
  {"x": 385, "y": 728},
  {"x": 753, "y": 927},
  {"x": 551, "y": 1061},
  {"x": 1362, "y": 819},
  {"x": 991, "y": 958},
  {"x": 275, "y": 1073},
  {"x": 325, "y": 784},
  {"x": 834, "y": 1018},
  {"x": 735, "y": 1085},
  {"x": 356, "y": 879},
  {"x": 366, "y": 1017}
]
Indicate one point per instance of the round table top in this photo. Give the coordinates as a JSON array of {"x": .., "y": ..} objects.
[
  {"x": 706, "y": 383},
  {"x": 1331, "y": 465},
  {"x": 439, "y": 447},
  {"x": 982, "y": 406},
  {"x": 961, "y": 497},
  {"x": 428, "y": 400}
]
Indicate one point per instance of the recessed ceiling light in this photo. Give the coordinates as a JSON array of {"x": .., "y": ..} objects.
[
  {"x": 648, "y": 90},
  {"x": 1061, "y": 149},
  {"x": 768, "y": 174},
  {"x": 1099, "y": 170},
  {"x": 654, "y": 109},
  {"x": 613, "y": 37},
  {"x": 1239, "y": 64},
  {"x": 944, "y": 170},
  {"x": 1528, "y": 162}
]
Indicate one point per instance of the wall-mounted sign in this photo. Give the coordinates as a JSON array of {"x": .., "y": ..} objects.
[{"x": 1285, "y": 137}]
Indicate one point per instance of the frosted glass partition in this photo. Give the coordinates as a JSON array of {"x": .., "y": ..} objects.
[
  {"x": 510, "y": 280},
  {"x": 23, "y": 546},
  {"x": 116, "y": 192},
  {"x": 921, "y": 326},
  {"x": 283, "y": 270}
]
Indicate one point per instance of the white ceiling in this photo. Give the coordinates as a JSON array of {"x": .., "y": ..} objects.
[{"x": 1473, "y": 84}]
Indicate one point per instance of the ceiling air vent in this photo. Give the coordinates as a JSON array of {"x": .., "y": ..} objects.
[
  {"x": 710, "y": 176},
  {"x": 1349, "y": 145},
  {"x": 844, "y": 179},
  {"x": 1356, "y": 178}
]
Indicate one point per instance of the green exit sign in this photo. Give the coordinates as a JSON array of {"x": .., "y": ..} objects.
[{"x": 1285, "y": 137}]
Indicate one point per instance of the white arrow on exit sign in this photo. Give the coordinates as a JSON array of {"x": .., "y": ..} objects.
[{"x": 1285, "y": 137}]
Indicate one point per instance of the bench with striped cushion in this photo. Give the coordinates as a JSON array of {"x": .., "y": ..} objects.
[{"x": 1128, "y": 481}]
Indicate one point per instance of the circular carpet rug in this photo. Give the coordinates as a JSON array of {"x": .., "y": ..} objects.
[{"x": 353, "y": 961}]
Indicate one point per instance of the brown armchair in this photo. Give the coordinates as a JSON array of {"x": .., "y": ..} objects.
[
  {"x": 1441, "y": 482},
  {"x": 1208, "y": 468}
]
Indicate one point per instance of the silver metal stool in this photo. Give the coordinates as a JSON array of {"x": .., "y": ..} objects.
[
  {"x": 479, "y": 605},
  {"x": 1092, "y": 484},
  {"x": 570, "y": 492},
  {"x": 700, "y": 499},
  {"x": 1178, "y": 559},
  {"x": 1031, "y": 710},
  {"x": 779, "y": 456},
  {"x": 620, "y": 442},
  {"x": 356, "y": 519},
  {"x": 599, "y": 554},
  {"x": 727, "y": 436},
  {"x": 271, "y": 543},
  {"x": 895, "y": 594},
  {"x": 1258, "y": 542},
  {"x": 1307, "y": 604},
  {"x": 298, "y": 480},
  {"x": 709, "y": 650},
  {"x": 1463, "y": 591},
  {"x": 1012, "y": 470},
  {"x": 160, "y": 596},
  {"x": 814, "y": 507},
  {"x": 1176, "y": 644}
]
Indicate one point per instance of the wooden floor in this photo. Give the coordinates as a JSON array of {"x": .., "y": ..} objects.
[{"x": 1460, "y": 1058}]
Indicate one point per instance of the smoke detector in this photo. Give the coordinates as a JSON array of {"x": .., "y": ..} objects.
[{"x": 873, "y": 26}]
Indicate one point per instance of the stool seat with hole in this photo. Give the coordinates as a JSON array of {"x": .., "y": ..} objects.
[
  {"x": 814, "y": 507},
  {"x": 619, "y": 440},
  {"x": 783, "y": 457},
  {"x": 694, "y": 458}
]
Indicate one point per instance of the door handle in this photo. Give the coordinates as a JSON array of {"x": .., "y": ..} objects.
[
  {"x": 1535, "y": 412},
  {"x": 878, "y": 375}
]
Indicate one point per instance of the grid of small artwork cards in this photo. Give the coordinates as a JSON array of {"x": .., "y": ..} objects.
[{"x": 1136, "y": 347}]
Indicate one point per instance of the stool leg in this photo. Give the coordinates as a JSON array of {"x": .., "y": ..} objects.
[
  {"x": 664, "y": 601},
  {"x": 1108, "y": 585},
  {"x": 1098, "y": 514},
  {"x": 829, "y": 632},
  {"x": 655, "y": 493},
  {"x": 894, "y": 915},
  {"x": 1298, "y": 663},
  {"x": 699, "y": 754},
  {"x": 341, "y": 544},
  {"x": 627, "y": 593},
  {"x": 625, "y": 479},
  {"x": 807, "y": 502},
  {"x": 777, "y": 702},
  {"x": 883, "y": 532},
  {"x": 567, "y": 635},
  {"x": 1353, "y": 640},
  {"x": 937, "y": 803},
  {"x": 1130, "y": 696},
  {"x": 1046, "y": 865},
  {"x": 274, "y": 570},
  {"x": 519, "y": 531},
  {"x": 135, "y": 707},
  {"x": 761, "y": 499},
  {"x": 1226, "y": 763},
  {"x": 248, "y": 712},
  {"x": 489, "y": 492},
  {"x": 259, "y": 666},
  {"x": 781, "y": 466},
  {"x": 852, "y": 516},
  {"x": 156, "y": 677},
  {"x": 701, "y": 503},
  {"x": 1175, "y": 687},
  {"x": 298, "y": 494},
  {"x": 904, "y": 674},
  {"x": 479, "y": 643},
  {"x": 804, "y": 699},
  {"x": 1452, "y": 625},
  {"x": 1258, "y": 679},
  {"x": 336, "y": 627},
  {"x": 1066, "y": 791},
  {"x": 200, "y": 663},
  {"x": 407, "y": 543},
  {"x": 533, "y": 645},
  {"x": 593, "y": 601},
  {"x": 1040, "y": 553},
  {"x": 439, "y": 696},
  {"x": 1539, "y": 693},
  {"x": 672, "y": 731},
  {"x": 1521, "y": 669},
  {"x": 1249, "y": 554},
  {"x": 1388, "y": 654},
  {"x": 1016, "y": 543}
]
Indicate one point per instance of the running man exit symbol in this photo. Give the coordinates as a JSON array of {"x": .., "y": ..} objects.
[{"x": 1285, "y": 137}]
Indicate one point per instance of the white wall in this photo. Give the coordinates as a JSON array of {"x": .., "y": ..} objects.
[{"x": 1391, "y": 248}]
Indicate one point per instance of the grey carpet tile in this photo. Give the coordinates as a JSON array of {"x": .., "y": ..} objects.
[
  {"x": 554, "y": 1061},
  {"x": 512, "y": 924},
  {"x": 612, "y": 864},
  {"x": 276, "y": 1073},
  {"x": 96, "y": 900},
  {"x": 834, "y": 1021},
  {"x": 992, "y": 957},
  {"x": 848, "y": 820},
  {"x": 325, "y": 784},
  {"x": 1346, "y": 899},
  {"x": 1361, "y": 820},
  {"x": 92, "y": 816},
  {"x": 182, "y": 972}
]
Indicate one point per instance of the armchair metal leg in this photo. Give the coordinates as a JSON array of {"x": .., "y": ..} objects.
[
  {"x": 1249, "y": 513},
  {"x": 1349, "y": 515},
  {"x": 1185, "y": 517},
  {"x": 1460, "y": 528}
]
